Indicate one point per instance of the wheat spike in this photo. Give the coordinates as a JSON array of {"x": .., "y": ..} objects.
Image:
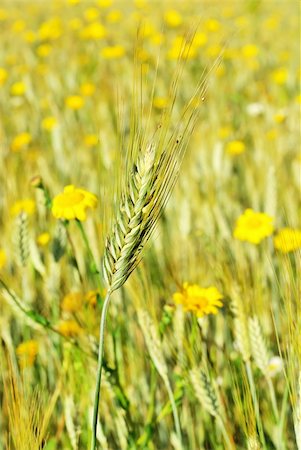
[
  {"x": 204, "y": 391},
  {"x": 258, "y": 345},
  {"x": 22, "y": 239},
  {"x": 152, "y": 168},
  {"x": 153, "y": 342},
  {"x": 240, "y": 325}
]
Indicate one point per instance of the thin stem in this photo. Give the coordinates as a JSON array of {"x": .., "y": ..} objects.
[
  {"x": 224, "y": 432},
  {"x": 99, "y": 367},
  {"x": 273, "y": 398},
  {"x": 87, "y": 244},
  {"x": 174, "y": 409},
  {"x": 255, "y": 402}
]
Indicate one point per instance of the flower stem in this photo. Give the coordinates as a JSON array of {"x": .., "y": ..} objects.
[
  {"x": 99, "y": 368},
  {"x": 174, "y": 410}
]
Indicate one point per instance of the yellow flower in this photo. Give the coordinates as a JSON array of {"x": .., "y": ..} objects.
[
  {"x": 48, "y": 123},
  {"x": 27, "y": 206},
  {"x": 104, "y": 3},
  {"x": 20, "y": 141},
  {"x": 69, "y": 328},
  {"x": 253, "y": 227},
  {"x": 280, "y": 76},
  {"x": 212, "y": 25},
  {"x": 72, "y": 203},
  {"x": 72, "y": 302},
  {"x": 91, "y": 14},
  {"x": 2, "y": 258},
  {"x": 27, "y": 352},
  {"x": 91, "y": 140},
  {"x": 250, "y": 51},
  {"x": 173, "y": 18},
  {"x": 181, "y": 49},
  {"x": 224, "y": 132},
  {"x": 279, "y": 117},
  {"x": 91, "y": 297},
  {"x": 43, "y": 239},
  {"x": 288, "y": 240},
  {"x": 29, "y": 36},
  {"x": 235, "y": 147},
  {"x": 3, "y": 76},
  {"x": 18, "y": 88},
  {"x": 160, "y": 102},
  {"x": 74, "y": 102},
  {"x": 94, "y": 31},
  {"x": 114, "y": 16},
  {"x": 87, "y": 89},
  {"x": 201, "y": 301},
  {"x": 200, "y": 39},
  {"x": 44, "y": 50},
  {"x": 112, "y": 52}
]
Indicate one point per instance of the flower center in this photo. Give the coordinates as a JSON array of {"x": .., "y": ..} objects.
[
  {"x": 254, "y": 222},
  {"x": 70, "y": 199}
]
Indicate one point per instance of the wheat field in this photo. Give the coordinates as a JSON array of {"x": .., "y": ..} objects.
[{"x": 150, "y": 219}]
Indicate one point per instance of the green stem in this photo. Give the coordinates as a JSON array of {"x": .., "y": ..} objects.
[
  {"x": 86, "y": 241},
  {"x": 273, "y": 398},
  {"x": 174, "y": 409},
  {"x": 225, "y": 433},
  {"x": 99, "y": 367},
  {"x": 255, "y": 402}
]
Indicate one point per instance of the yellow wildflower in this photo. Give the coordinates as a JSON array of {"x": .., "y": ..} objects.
[
  {"x": 72, "y": 203},
  {"x": 27, "y": 206},
  {"x": 160, "y": 102},
  {"x": 91, "y": 297},
  {"x": 104, "y": 3},
  {"x": 280, "y": 117},
  {"x": 201, "y": 301},
  {"x": 112, "y": 52},
  {"x": 21, "y": 141},
  {"x": 94, "y": 31},
  {"x": 29, "y": 36},
  {"x": 181, "y": 49},
  {"x": 48, "y": 123},
  {"x": 224, "y": 132},
  {"x": 253, "y": 227},
  {"x": 173, "y": 18},
  {"x": 91, "y": 14},
  {"x": 280, "y": 75},
  {"x": 18, "y": 88},
  {"x": 3, "y": 76},
  {"x": 43, "y": 239},
  {"x": 27, "y": 352},
  {"x": 18, "y": 26},
  {"x": 72, "y": 302},
  {"x": 43, "y": 50},
  {"x": 114, "y": 16},
  {"x": 200, "y": 39},
  {"x": 250, "y": 51},
  {"x": 74, "y": 102},
  {"x": 235, "y": 147},
  {"x": 69, "y": 328},
  {"x": 288, "y": 240},
  {"x": 91, "y": 140},
  {"x": 212, "y": 25},
  {"x": 87, "y": 89},
  {"x": 2, "y": 258}
]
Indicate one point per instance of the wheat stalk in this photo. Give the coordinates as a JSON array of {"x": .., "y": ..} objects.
[{"x": 152, "y": 168}]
